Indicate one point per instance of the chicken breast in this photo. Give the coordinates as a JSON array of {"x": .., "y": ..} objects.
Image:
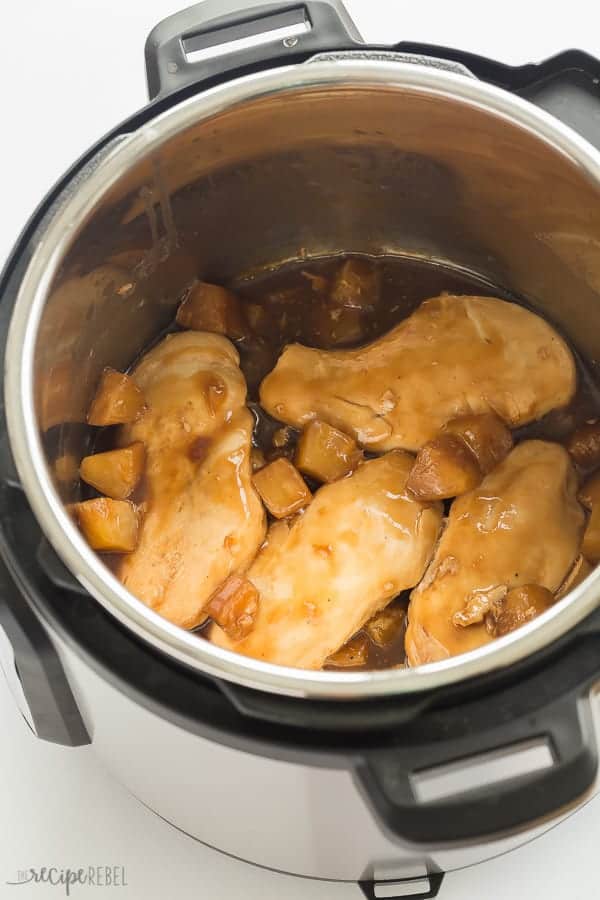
[
  {"x": 521, "y": 526},
  {"x": 361, "y": 541},
  {"x": 454, "y": 355},
  {"x": 203, "y": 520}
]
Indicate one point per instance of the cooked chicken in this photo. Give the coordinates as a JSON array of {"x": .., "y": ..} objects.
[
  {"x": 521, "y": 526},
  {"x": 579, "y": 572},
  {"x": 203, "y": 519},
  {"x": 455, "y": 355},
  {"x": 319, "y": 577},
  {"x": 589, "y": 495}
]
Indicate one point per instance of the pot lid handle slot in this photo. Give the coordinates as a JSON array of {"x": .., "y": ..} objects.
[
  {"x": 220, "y": 37},
  {"x": 538, "y": 760},
  {"x": 422, "y": 888}
]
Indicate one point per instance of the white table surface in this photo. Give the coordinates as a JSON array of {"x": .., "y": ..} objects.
[{"x": 69, "y": 70}]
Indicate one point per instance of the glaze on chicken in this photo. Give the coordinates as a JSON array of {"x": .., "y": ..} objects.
[
  {"x": 522, "y": 525},
  {"x": 203, "y": 520},
  {"x": 453, "y": 356},
  {"x": 292, "y": 524},
  {"x": 322, "y": 575}
]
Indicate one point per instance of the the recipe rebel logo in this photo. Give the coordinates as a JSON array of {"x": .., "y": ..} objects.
[{"x": 67, "y": 879}]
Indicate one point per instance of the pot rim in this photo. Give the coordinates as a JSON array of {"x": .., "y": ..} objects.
[{"x": 25, "y": 441}]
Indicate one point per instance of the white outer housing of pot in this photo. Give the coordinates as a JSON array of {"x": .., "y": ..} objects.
[{"x": 296, "y": 818}]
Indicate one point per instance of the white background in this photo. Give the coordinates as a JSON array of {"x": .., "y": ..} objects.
[{"x": 69, "y": 70}]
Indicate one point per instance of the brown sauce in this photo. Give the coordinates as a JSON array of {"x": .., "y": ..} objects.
[
  {"x": 284, "y": 305},
  {"x": 291, "y": 297}
]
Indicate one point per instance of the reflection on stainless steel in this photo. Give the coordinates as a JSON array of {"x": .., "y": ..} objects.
[{"x": 367, "y": 156}]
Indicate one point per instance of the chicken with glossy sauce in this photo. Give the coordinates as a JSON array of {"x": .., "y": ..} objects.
[
  {"x": 453, "y": 356},
  {"x": 521, "y": 526},
  {"x": 322, "y": 575},
  {"x": 448, "y": 383},
  {"x": 203, "y": 520}
]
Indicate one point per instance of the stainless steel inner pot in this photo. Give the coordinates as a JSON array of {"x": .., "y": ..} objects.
[{"x": 334, "y": 155}]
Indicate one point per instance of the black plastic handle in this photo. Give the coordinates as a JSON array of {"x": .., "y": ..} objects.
[
  {"x": 563, "y": 723},
  {"x": 431, "y": 882},
  {"x": 172, "y": 44},
  {"x": 52, "y": 708},
  {"x": 53, "y": 712}
]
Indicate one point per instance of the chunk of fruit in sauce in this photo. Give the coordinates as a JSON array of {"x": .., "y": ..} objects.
[
  {"x": 337, "y": 326},
  {"x": 210, "y": 307},
  {"x": 356, "y": 285},
  {"x": 234, "y": 607},
  {"x": 108, "y": 525},
  {"x": 486, "y": 435},
  {"x": 282, "y": 488},
  {"x": 444, "y": 467},
  {"x": 118, "y": 400},
  {"x": 115, "y": 473},
  {"x": 325, "y": 453}
]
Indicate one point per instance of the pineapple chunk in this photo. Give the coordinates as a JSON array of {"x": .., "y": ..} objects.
[
  {"x": 209, "y": 307},
  {"x": 109, "y": 525},
  {"x": 118, "y": 400},
  {"x": 486, "y": 436},
  {"x": 336, "y": 326},
  {"x": 325, "y": 453},
  {"x": 282, "y": 488},
  {"x": 115, "y": 473},
  {"x": 356, "y": 285},
  {"x": 584, "y": 445},
  {"x": 234, "y": 607},
  {"x": 444, "y": 467}
]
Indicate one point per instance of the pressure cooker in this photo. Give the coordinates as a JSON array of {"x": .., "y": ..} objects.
[{"x": 273, "y": 133}]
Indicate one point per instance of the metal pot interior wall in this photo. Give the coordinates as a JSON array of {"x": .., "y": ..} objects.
[{"x": 305, "y": 173}]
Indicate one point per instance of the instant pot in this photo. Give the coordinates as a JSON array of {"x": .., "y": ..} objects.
[{"x": 274, "y": 134}]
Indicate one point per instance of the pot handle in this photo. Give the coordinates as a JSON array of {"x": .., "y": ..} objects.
[
  {"x": 493, "y": 779},
  {"x": 34, "y": 671},
  {"x": 28, "y": 658},
  {"x": 218, "y": 36}
]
